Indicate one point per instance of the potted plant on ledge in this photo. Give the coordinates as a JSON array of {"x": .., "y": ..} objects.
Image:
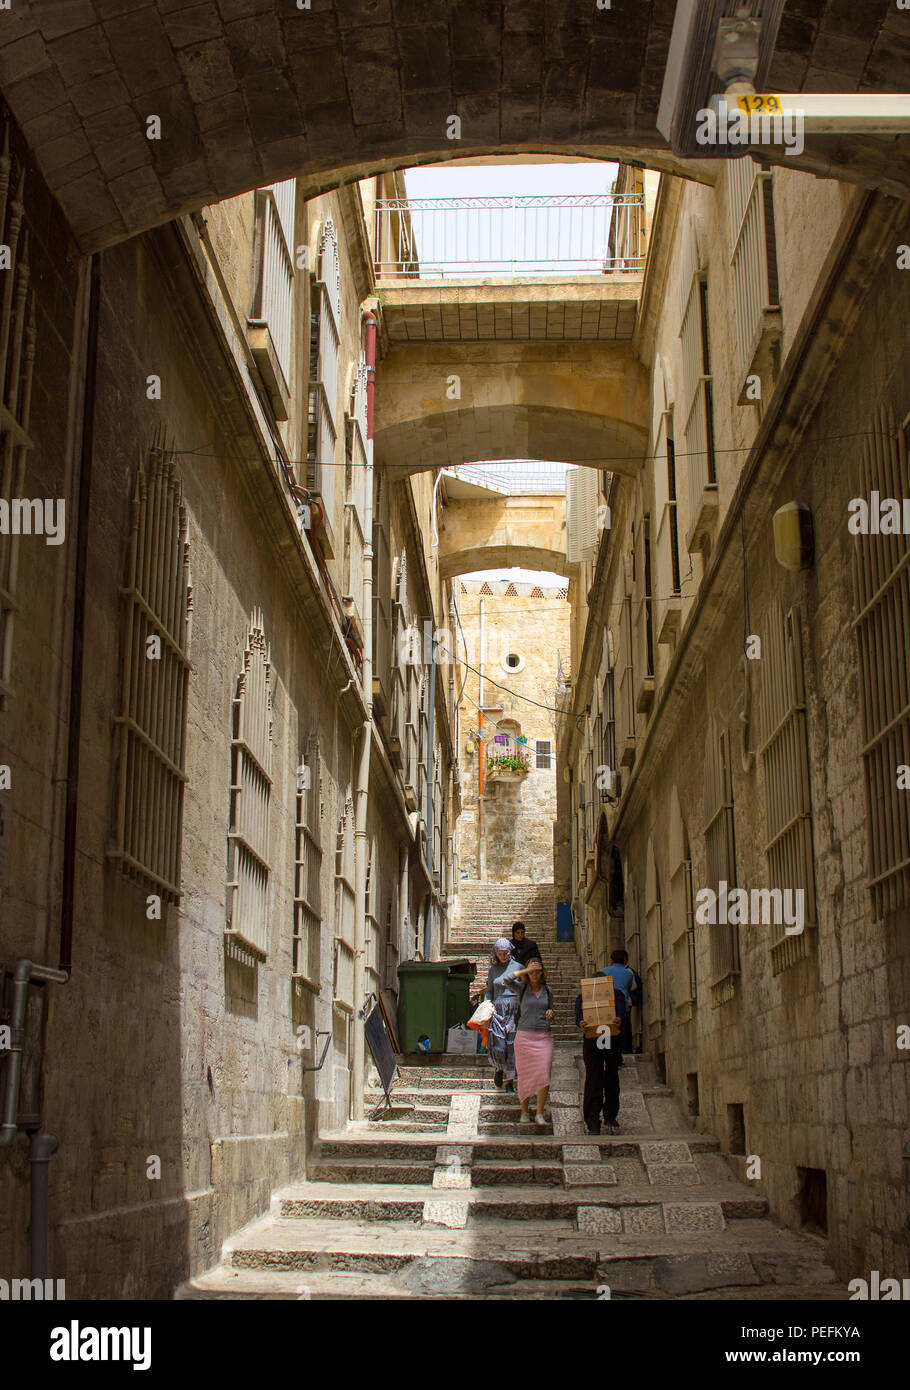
[{"x": 508, "y": 767}]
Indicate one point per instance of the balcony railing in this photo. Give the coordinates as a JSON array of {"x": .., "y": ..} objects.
[{"x": 561, "y": 234}]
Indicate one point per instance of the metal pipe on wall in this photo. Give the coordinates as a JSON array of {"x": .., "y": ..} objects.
[
  {"x": 362, "y": 800},
  {"x": 481, "y": 761},
  {"x": 77, "y": 659}
]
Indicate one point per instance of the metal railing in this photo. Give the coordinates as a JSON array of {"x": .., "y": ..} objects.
[{"x": 553, "y": 234}]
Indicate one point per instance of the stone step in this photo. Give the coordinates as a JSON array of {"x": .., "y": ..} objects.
[
  {"x": 466, "y": 1282},
  {"x": 630, "y": 1212},
  {"x": 371, "y": 1170},
  {"x": 365, "y": 1142},
  {"x": 407, "y": 1127},
  {"x": 748, "y": 1253}
]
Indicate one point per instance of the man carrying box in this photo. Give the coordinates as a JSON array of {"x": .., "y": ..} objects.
[{"x": 599, "y": 1012}]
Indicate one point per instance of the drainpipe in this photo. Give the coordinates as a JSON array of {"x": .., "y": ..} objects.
[
  {"x": 404, "y": 944},
  {"x": 362, "y": 800},
  {"x": 77, "y": 657},
  {"x": 431, "y": 775},
  {"x": 42, "y": 1146},
  {"x": 481, "y": 840}
]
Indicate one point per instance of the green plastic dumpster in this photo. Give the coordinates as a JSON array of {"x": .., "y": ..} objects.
[
  {"x": 426, "y": 1000},
  {"x": 458, "y": 997}
]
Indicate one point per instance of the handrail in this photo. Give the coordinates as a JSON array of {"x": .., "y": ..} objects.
[{"x": 567, "y": 234}]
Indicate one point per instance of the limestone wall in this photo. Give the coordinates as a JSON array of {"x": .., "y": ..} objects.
[
  {"x": 518, "y": 816},
  {"x": 808, "y": 1050},
  {"x": 176, "y": 1064}
]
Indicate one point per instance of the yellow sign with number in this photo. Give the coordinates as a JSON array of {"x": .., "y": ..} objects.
[{"x": 755, "y": 102}]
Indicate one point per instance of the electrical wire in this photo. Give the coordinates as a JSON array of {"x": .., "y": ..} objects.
[
  {"x": 587, "y": 462},
  {"x": 551, "y": 709}
]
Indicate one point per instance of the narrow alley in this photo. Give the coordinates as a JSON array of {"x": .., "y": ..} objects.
[
  {"x": 450, "y": 1197},
  {"x": 455, "y": 646}
]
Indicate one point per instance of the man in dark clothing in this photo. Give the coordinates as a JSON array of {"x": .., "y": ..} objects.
[
  {"x": 523, "y": 949},
  {"x": 602, "y": 1058},
  {"x": 635, "y": 992}
]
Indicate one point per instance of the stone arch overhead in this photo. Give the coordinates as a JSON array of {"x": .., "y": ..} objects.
[
  {"x": 254, "y": 91},
  {"x": 499, "y": 532},
  {"x": 579, "y": 402},
  {"x": 495, "y": 557}
]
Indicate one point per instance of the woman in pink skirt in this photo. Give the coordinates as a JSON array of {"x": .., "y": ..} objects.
[{"x": 534, "y": 1039}]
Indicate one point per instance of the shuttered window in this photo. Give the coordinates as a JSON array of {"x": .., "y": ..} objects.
[
  {"x": 344, "y": 910},
  {"x": 382, "y": 594},
  {"x": 784, "y": 751},
  {"x": 753, "y": 261},
  {"x": 881, "y": 570},
  {"x": 654, "y": 940},
  {"x": 355, "y": 503},
  {"x": 374, "y": 937},
  {"x": 581, "y": 514},
  {"x": 720, "y": 850},
  {"x": 151, "y": 774},
  {"x": 274, "y": 267},
  {"x": 325, "y": 337},
  {"x": 308, "y": 868},
  {"x": 697, "y": 396},
  {"x": 251, "y": 788}
]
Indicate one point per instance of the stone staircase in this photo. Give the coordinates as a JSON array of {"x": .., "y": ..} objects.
[
  {"x": 487, "y": 911},
  {"x": 449, "y": 1196}
]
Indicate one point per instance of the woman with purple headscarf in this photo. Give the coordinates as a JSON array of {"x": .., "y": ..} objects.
[{"x": 503, "y": 992}]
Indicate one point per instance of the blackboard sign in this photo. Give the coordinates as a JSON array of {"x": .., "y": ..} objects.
[{"x": 380, "y": 1047}]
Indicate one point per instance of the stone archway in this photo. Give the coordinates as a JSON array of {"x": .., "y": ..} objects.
[
  {"x": 139, "y": 112},
  {"x": 579, "y": 402}
]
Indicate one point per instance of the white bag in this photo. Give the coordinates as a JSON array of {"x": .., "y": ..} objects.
[
  {"x": 481, "y": 1015},
  {"x": 461, "y": 1039}
]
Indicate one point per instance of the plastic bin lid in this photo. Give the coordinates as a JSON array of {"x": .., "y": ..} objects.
[{"x": 460, "y": 966}]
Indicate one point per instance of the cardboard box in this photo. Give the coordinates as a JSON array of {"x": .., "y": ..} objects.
[{"x": 598, "y": 1005}]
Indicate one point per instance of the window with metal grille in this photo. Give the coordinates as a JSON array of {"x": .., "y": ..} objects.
[
  {"x": 654, "y": 939},
  {"x": 648, "y": 595},
  {"x": 308, "y": 868},
  {"x": 881, "y": 576},
  {"x": 151, "y": 776},
  {"x": 373, "y": 940},
  {"x": 251, "y": 788},
  {"x": 18, "y": 333},
  {"x": 344, "y": 910},
  {"x": 697, "y": 397},
  {"x": 784, "y": 751},
  {"x": 355, "y": 500},
  {"x": 753, "y": 259},
  {"x": 391, "y": 955},
  {"x": 543, "y": 751},
  {"x": 382, "y": 594},
  {"x": 273, "y": 283},
  {"x": 671, "y": 510},
  {"x": 399, "y": 679},
  {"x": 325, "y": 337},
  {"x": 592, "y": 807},
  {"x": 667, "y": 579},
  {"x": 720, "y": 850},
  {"x": 423, "y": 738},
  {"x": 682, "y": 903}
]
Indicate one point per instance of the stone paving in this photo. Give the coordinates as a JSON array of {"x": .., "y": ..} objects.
[{"x": 480, "y": 1208}]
